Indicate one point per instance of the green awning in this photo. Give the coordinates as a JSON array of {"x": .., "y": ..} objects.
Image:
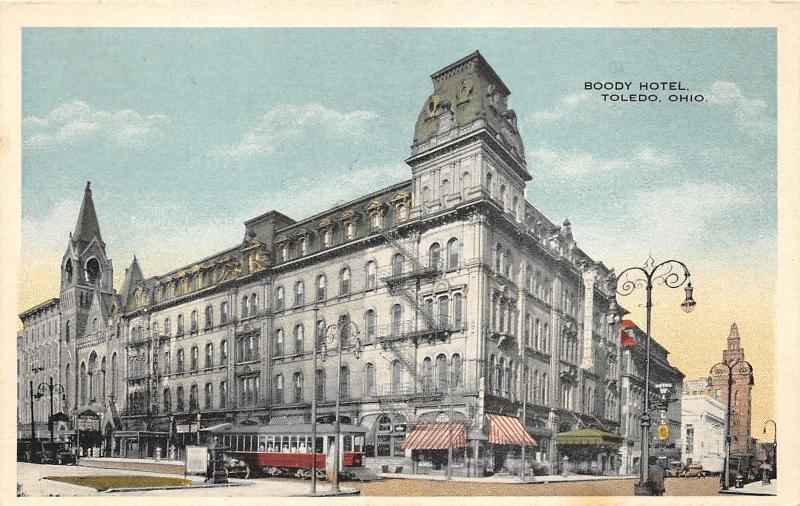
[{"x": 588, "y": 436}]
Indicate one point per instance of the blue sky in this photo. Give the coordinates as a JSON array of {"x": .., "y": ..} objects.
[{"x": 185, "y": 133}]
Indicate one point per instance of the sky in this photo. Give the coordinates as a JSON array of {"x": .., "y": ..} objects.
[{"x": 187, "y": 133}]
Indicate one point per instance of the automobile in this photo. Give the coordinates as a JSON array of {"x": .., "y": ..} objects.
[
  {"x": 54, "y": 452},
  {"x": 694, "y": 470},
  {"x": 674, "y": 468}
]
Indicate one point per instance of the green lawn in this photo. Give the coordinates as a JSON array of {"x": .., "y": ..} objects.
[{"x": 107, "y": 482}]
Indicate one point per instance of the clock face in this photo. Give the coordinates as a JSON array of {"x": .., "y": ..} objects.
[
  {"x": 433, "y": 105},
  {"x": 465, "y": 90}
]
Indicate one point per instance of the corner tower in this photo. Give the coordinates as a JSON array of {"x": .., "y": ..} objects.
[{"x": 466, "y": 142}]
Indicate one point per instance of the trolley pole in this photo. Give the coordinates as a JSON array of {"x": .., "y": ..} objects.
[{"x": 314, "y": 410}]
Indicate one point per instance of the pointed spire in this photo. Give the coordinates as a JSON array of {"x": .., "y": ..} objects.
[
  {"x": 734, "y": 332},
  {"x": 133, "y": 275},
  {"x": 87, "y": 227}
]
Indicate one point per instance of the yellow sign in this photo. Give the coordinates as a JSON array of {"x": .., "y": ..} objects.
[{"x": 663, "y": 432}]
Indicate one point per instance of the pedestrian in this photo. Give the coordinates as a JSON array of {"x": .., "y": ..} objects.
[{"x": 655, "y": 477}]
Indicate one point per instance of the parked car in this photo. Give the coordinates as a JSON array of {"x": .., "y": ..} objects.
[
  {"x": 694, "y": 470},
  {"x": 54, "y": 452}
]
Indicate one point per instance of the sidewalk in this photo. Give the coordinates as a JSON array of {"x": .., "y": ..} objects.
[
  {"x": 754, "y": 488},
  {"x": 507, "y": 479}
]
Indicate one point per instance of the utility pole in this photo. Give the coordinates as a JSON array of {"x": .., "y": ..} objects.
[
  {"x": 524, "y": 425},
  {"x": 314, "y": 408}
]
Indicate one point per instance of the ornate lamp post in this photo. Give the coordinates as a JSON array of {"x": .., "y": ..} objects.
[
  {"x": 774, "y": 446},
  {"x": 729, "y": 367},
  {"x": 51, "y": 387},
  {"x": 672, "y": 274},
  {"x": 330, "y": 337}
]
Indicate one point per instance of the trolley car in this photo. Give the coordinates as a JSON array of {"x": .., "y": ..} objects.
[{"x": 285, "y": 450}]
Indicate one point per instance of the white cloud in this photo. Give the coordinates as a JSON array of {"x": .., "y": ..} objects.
[
  {"x": 575, "y": 164},
  {"x": 285, "y": 122},
  {"x": 563, "y": 107},
  {"x": 750, "y": 113},
  {"x": 75, "y": 121}
]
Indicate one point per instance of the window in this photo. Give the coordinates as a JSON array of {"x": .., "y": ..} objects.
[
  {"x": 223, "y": 394},
  {"x": 434, "y": 255},
  {"x": 194, "y": 354},
  {"x": 507, "y": 264},
  {"x": 319, "y": 386},
  {"x": 299, "y": 336},
  {"x": 444, "y": 308},
  {"x": 249, "y": 389},
  {"x": 397, "y": 319},
  {"x": 427, "y": 375},
  {"x": 369, "y": 324},
  {"x": 457, "y": 374},
  {"x": 397, "y": 377},
  {"x": 114, "y": 375},
  {"x": 297, "y": 381},
  {"x": 193, "y": 322},
  {"x": 321, "y": 287},
  {"x": 179, "y": 398},
  {"x": 527, "y": 330},
  {"x": 279, "y": 342},
  {"x": 66, "y": 330},
  {"x": 167, "y": 364},
  {"x": 253, "y": 304},
  {"x": 167, "y": 327},
  {"x": 299, "y": 293},
  {"x": 344, "y": 382},
  {"x": 327, "y": 238},
  {"x": 397, "y": 265},
  {"x": 372, "y": 275},
  {"x": 344, "y": 281},
  {"x": 689, "y": 439},
  {"x": 179, "y": 331},
  {"x": 442, "y": 379},
  {"x": 244, "y": 307},
  {"x": 208, "y": 396},
  {"x": 279, "y": 299},
  {"x": 167, "y": 399},
  {"x": 503, "y": 196},
  {"x": 350, "y": 230},
  {"x": 320, "y": 334},
  {"x": 344, "y": 330},
  {"x": 223, "y": 352},
  {"x": 223, "y": 313},
  {"x": 369, "y": 380},
  {"x": 302, "y": 246},
  {"x": 453, "y": 254},
  {"x": 209, "y": 317},
  {"x": 209, "y": 355},
  {"x": 466, "y": 180},
  {"x": 180, "y": 360},
  {"x": 279, "y": 389}
]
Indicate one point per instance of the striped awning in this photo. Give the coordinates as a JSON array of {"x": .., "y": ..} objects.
[
  {"x": 507, "y": 430},
  {"x": 436, "y": 436}
]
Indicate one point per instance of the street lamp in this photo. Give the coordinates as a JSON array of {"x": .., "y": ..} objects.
[
  {"x": 672, "y": 274},
  {"x": 330, "y": 337},
  {"x": 35, "y": 369},
  {"x": 51, "y": 387},
  {"x": 774, "y": 446},
  {"x": 727, "y": 483}
]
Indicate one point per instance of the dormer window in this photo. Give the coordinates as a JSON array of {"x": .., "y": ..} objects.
[
  {"x": 302, "y": 246},
  {"x": 284, "y": 252},
  {"x": 327, "y": 239}
]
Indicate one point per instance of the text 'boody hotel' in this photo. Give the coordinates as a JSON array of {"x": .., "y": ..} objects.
[{"x": 453, "y": 299}]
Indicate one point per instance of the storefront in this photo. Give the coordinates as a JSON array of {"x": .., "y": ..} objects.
[
  {"x": 589, "y": 451},
  {"x": 507, "y": 436},
  {"x": 432, "y": 443},
  {"x": 139, "y": 444},
  {"x": 89, "y": 438}
]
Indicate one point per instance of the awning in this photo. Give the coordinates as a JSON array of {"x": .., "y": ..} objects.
[
  {"x": 507, "y": 430},
  {"x": 436, "y": 436},
  {"x": 588, "y": 437}
]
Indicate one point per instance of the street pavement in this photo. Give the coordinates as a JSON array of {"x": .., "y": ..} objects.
[{"x": 754, "y": 488}]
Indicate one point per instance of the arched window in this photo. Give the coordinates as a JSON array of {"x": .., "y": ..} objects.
[
  {"x": 490, "y": 375},
  {"x": 426, "y": 194},
  {"x": 193, "y": 321},
  {"x": 397, "y": 265},
  {"x": 279, "y": 343},
  {"x": 327, "y": 238},
  {"x": 445, "y": 187},
  {"x": 193, "y": 404},
  {"x": 427, "y": 375},
  {"x": 319, "y": 391},
  {"x": 95, "y": 325},
  {"x": 299, "y": 338},
  {"x": 442, "y": 379},
  {"x": 302, "y": 246},
  {"x": 253, "y": 304},
  {"x": 223, "y": 352},
  {"x": 297, "y": 382},
  {"x": 528, "y": 325},
  {"x": 167, "y": 364},
  {"x": 179, "y": 330},
  {"x": 194, "y": 358},
  {"x": 180, "y": 360},
  {"x": 66, "y": 331},
  {"x": 299, "y": 293},
  {"x": 209, "y": 317},
  {"x": 453, "y": 254},
  {"x": 370, "y": 324},
  {"x": 320, "y": 333},
  {"x": 344, "y": 382},
  {"x": 179, "y": 398},
  {"x": 344, "y": 330},
  {"x": 466, "y": 180},
  {"x": 279, "y": 303},
  {"x": 279, "y": 389},
  {"x": 458, "y": 311},
  {"x": 397, "y": 320},
  {"x": 402, "y": 212},
  {"x": 546, "y": 338},
  {"x": 322, "y": 284},
  {"x": 167, "y": 327},
  {"x": 93, "y": 271},
  {"x": 456, "y": 371},
  {"x": 397, "y": 377},
  {"x": 167, "y": 400},
  {"x": 114, "y": 375},
  {"x": 244, "y": 306},
  {"x": 498, "y": 258},
  {"x": 209, "y": 355},
  {"x": 500, "y": 384},
  {"x": 83, "y": 385},
  {"x": 369, "y": 380},
  {"x": 503, "y": 196},
  {"x": 371, "y": 275},
  {"x": 514, "y": 202},
  {"x": 434, "y": 255},
  {"x": 224, "y": 314},
  {"x": 208, "y": 396},
  {"x": 507, "y": 264},
  {"x": 223, "y": 394},
  {"x": 489, "y": 183},
  {"x": 444, "y": 312},
  {"x": 344, "y": 281}
]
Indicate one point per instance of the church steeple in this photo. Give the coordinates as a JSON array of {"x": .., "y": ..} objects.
[
  {"x": 133, "y": 275},
  {"x": 87, "y": 227},
  {"x": 733, "y": 338}
]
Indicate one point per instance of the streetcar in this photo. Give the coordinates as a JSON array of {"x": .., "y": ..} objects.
[{"x": 285, "y": 450}]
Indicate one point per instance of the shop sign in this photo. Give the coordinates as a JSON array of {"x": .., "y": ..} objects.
[
  {"x": 663, "y": 432},
  {"x": 183, "y": 428}
]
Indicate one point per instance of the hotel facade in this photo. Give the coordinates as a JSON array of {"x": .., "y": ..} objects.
[{"x": 451, "y": 297}]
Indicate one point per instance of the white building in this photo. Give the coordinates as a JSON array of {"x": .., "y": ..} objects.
[{"x": 703, "y": 432}]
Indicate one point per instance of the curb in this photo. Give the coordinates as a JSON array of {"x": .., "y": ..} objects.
[{"x": 187, "y": 487}]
